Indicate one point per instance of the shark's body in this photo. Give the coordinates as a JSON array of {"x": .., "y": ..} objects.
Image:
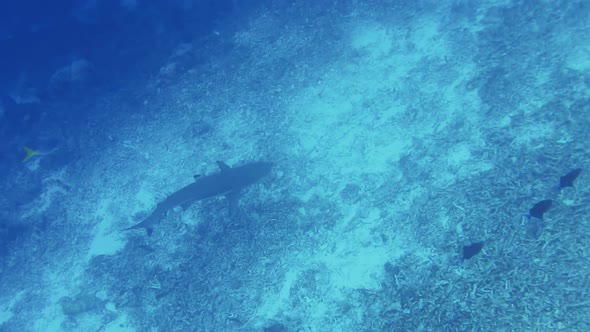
[{"x": 228, "y": 181}]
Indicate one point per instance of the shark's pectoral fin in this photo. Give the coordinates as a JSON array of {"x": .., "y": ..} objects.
[{"x": 223, "y": 166}]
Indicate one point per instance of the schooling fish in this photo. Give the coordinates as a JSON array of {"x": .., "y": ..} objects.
[
  {"x": 568, "y": 179},
  {"x": 472, "y": 249},
  {"x": 540, "y": 208}
]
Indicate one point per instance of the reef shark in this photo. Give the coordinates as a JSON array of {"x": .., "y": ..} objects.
[{"x": 228, "y": 181}]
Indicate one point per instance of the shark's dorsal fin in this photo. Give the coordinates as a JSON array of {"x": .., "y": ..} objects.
[
  {"x": 196, "y": 176},
  {"x": 223, "y": 166}
]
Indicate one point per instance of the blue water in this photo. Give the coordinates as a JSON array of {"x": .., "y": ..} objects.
[{"x": 410, "y": 141}]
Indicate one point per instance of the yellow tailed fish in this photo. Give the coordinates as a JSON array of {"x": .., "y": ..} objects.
[{"x": 30, "y": 153}]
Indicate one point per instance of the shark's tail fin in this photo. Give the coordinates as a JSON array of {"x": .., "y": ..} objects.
[
  {"x": 148, "y": 223},
  {"x": 148, "y": 229}
]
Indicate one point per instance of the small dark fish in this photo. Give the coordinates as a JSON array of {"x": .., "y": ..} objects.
[
  {"x": 540, "y": 208},
  {"x": 568, "y": 179},
  {"x": 472, "y": 250}
]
